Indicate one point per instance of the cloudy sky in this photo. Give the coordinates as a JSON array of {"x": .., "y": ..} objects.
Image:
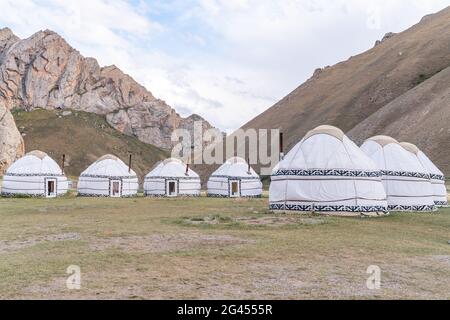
[{"x": 227, "y": 60}]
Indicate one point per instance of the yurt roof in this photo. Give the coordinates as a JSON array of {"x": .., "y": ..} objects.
[
  {"x": 326, "y": 147},
  {"x": 107, "y": 157},
  {"x": 383, "y": 140},
  {"x": 173, "y": 160},
  {"x": 235, "y": 167},
  {"x": 423, "y": 158},
  {"x": 390, "y": 155},
  {"x": 236, "y": 160},
  {"x": 35, "y": 163},
  {"x": 326, "y": 129},
  {"x": 410, "y": 147},
  {"x": 108, "y": 166},
  {"x": 171, "y": 168},
  {"x": 38, "y": 154}
]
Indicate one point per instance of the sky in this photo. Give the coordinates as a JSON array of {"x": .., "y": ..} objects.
[{"x": 226, "y": 60}]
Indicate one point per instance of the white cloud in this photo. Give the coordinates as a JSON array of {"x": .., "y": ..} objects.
[{"x": 227, "y": 60}]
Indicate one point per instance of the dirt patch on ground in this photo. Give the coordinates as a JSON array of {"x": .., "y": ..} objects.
[
  {"x": 14, "y": 245},
  {"x": 443, "y": 259},
  {"x": 165, "y": 243},
  {"x": 268, "y": 221}
]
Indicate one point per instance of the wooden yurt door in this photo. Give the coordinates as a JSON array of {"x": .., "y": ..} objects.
[
  {"x": 115, "y": 188},
  {"x": 50, "y": 188},
  {"x": 171, "y": 188},
  {"x": 235, "y": 191}
]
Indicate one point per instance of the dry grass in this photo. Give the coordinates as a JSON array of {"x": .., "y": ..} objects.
[
  {"x": 214, "y": 248},
  {"x": 83, "y": 138}
]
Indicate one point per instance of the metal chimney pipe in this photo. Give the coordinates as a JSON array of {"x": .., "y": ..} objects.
[
  {"x": 63, "y": 163},
  {"x": 129, "y": 164},
  {"x": 187, "y": 169},
  {"x": 249, "y": 168},
  {"x": 281, "y": 146}
]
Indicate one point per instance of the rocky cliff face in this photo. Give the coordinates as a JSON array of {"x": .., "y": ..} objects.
[
  {"x": 44, "y": 71},
  {"x": 11, "y": 142}
]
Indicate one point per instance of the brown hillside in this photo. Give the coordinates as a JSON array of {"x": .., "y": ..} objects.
[
  {"x": 83, "y": 137},
  {"x": 350, "y": 92},
  {"x": 420, "y": 116}
]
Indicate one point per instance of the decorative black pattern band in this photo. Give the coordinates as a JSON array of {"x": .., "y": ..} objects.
[
  {"x": 34, "y": 175},
  {"x": 405, "y": 174},
  {"x": 214, "y": 195},
  {"x": 330, "y": 208},
  {"x": 166, "y": 196},
  {"x": 441, "y": 203},
  {"x": 92, "y": 195},
  {"x": 328, "y": 173},
  {"x": 416, "y": 208},
  {"x": 236, "y": 178},
  {"x": 171, "y": 178},
  {"x": 107, "y": 177},
  {"x": 28, "y": 195},
  {"x": 437, "y": 177}
]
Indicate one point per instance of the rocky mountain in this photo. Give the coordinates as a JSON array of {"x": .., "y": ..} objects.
[
  {"x": 11, "y": 142},
  {"x": 399, "y": 87},
  {"x": 44, "y": 71}
]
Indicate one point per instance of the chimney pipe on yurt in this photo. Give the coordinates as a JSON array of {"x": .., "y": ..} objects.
[
  {"x": 129, "y": 163},
  {"x": 63, "y": 163},
  {"x": 187, "y": 169},
  {"x": 281, "y": 146},
  {"x": 249, "y": 168}
]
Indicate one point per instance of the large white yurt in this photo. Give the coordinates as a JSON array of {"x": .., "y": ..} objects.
[
  {"x": 108, "y": 177},
  {"x": 437, "y": 178},
  {"x": 172, "y": 178},
  {"x": 327, "y": 173},
  {"x": 234, "y": 179},
  {"x": 35, "y": 174},
  {"x": 406, "y": 181}
]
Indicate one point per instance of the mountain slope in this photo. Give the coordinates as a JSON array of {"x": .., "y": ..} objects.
[
  {"x": 44, "y": 71},
  {"x": 421, "y": 116},
  {"x": 83, "y": 137},
  {"x": 350, "y": 92}
]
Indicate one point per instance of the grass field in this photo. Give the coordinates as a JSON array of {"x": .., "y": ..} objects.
[{"x": 215, "y": 248}]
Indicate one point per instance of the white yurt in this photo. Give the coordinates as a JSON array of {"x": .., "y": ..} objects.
[
  {"x": 234, "y": 179},
  {"x": 172, "y": 178},
  {"x": 437, "y": 178},
  {"x": 108, "y": 177},
  {"x": 406, "y": 181},
  {"x": 327, "y": 173},
  {"x": 35, "y": 174}
]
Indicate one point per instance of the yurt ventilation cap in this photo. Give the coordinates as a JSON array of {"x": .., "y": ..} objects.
[
  {"x": 410, "y": 147},
  {"x": 107, "y": 157},
  {"x": 326, "y": 129},
  {"x": 38, "y": 154},
  {"x": 383, "y": 140}
]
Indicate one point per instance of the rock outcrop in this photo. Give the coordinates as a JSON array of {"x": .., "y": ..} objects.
[
  {"x": 387, "y": 36},
  {"x": 44, "y": 71},
  {"x": 11, "y": 142}
]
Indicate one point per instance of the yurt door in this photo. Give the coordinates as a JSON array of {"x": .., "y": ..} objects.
[
  {"x": 115, "y": 188},
  {"x": 50, "y": 188},
  {"x": 171, "y": 188},
  {"x": 235, "y": 191}
]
